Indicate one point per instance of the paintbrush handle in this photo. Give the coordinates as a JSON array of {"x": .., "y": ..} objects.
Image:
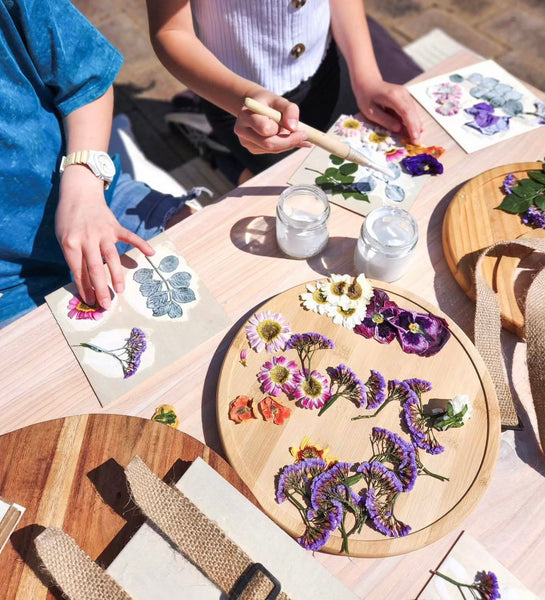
[{"x": 321, "y": 139}]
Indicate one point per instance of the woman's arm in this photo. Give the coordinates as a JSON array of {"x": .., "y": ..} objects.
[
  {"x": 387, "y": 104},
  {"x": 181, "y": 52},
  {"x": 86, "y": 228}
]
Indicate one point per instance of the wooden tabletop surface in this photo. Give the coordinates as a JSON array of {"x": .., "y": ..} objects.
[{"x": 232, "y": 246}]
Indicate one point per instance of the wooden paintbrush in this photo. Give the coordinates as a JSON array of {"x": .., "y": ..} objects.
[{"x": 328, "y": 142}]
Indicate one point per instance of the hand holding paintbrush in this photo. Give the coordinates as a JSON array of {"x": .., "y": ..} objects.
[{"x": 324, "y": 140}]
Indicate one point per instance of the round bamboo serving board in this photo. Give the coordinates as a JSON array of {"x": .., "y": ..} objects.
[
  {"x": 258, "y": 449},
  {"x": 472, "y": 223}
]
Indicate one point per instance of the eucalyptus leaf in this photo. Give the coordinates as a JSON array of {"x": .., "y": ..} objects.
[
  {"x": 475, "y": 78},
  {"x": 169, "y": 263},
  {"x": 455, "y": 78},
  {"x": 489, "y": 82},
  {"x": 348, "y": 168},
  {"x": 512, "y": 107},
  {"x": 183, "y": 295},
  {"x": 180, "y": 279},
  {"x": 149, "y": 288},
  {"x": 174, "y": 311},
  {"x": 514, "y": 204},
  {"x": 478, "y": 92},
  {"x": 157, "y": 300},
  {"x": 142, "y": 275}
]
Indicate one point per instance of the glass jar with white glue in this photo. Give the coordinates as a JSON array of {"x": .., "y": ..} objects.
[
  {"x": 387, "y": 238},
  {"x": 302, "y": 215}
]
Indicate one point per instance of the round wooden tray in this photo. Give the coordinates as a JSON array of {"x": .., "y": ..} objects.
[
  {"x": 258, "y": 449},
  {"x": 472, "y": 223}
]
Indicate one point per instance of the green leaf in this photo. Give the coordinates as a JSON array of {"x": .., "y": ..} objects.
[
  {"x": 346, "y": 179},
  {"x": 348, "y": 168},
  {"x": 538, "y": 176},
  {"x": 539, "y": 201},
  {"x": 331, "y": 172},
  {"x": 336, "y": 160},
  {"x": 321, "y": 180},
  {"x": 526, "y": 188},
  {"x": 514, "y": 204},
  {"x": 360, "y": 196}
]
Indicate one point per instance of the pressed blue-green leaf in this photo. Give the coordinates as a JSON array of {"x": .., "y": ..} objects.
[
  {"x": 336, "y": 160},
  {"x": 174, "y": 311},
  {"x": 142, "y": 275},
  {"x": 183, "y": 295},
  {"x": 537, "y": 176},
  {"x": 489, "y": 82},
  {"x": 348, "y": 168},
  {"x": 512, "y": 107},
  {"x": 514, "y": 204},
  {"x": 475, "y": 78},
  {"x": 169, "y": 263},
  {"x": 513, "y": 95},
  {"x": 496, "y": 100},
  {"x": 160, "y": 311},
  {"x": 503, "y": 89},
  {"x": 157, "y": 300},
  {"x": 149, "y": 288},
  {"x": 180, "y": 279},
  {"x": 478, "y": 92},
  {"x": 455, "y": 78}
]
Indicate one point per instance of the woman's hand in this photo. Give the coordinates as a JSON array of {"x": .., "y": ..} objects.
[
  {"x": 262, "y": 135},
  {"x": 87, "y": 232}
]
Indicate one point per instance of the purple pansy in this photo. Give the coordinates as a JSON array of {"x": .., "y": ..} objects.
[
  {"x": 378, "y": 321},
  {"x": 484, "y": 119},
  {"x": 422, "y": 334},
  {"x": 422, "y": 164}
]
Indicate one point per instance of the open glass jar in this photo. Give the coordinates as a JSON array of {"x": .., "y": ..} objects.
[
  {"x": 387, "y": 238},
  {"x": 302, "y": 214}
]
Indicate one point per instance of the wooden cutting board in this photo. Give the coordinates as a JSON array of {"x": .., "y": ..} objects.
[
  {"x": 68, "y": 473},
  {"x": 472, "y": 223},
  {"x": 258, "y": 449}
]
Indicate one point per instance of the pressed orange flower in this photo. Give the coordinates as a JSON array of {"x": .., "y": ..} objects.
[
  {"x": 415, "y": 149},
  {"x": 273, "y": 411},
  {"x": 241, "y": 409},
  {"x": 165, "y": 414},
  {"x": 308, "y": 450}
]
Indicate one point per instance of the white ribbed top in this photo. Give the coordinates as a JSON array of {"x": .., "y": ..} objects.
[{"x": 254, "y": 38}]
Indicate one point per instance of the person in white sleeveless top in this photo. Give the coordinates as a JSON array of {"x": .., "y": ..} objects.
[{"x": 309, "y": 59}]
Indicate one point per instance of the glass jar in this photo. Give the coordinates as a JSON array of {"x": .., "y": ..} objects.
[
  {"x": 387, "y": 238},
  {"x": 302, "y": 214}
]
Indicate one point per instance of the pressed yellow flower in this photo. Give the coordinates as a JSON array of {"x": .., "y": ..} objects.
[{"x": 308, "y": 450}]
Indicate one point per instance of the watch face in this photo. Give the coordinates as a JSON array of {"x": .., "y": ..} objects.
[{"x": 105, "y": 164}]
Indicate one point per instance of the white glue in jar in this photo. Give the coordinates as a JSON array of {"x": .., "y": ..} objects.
[
  {"x": 302, "y": 214},
  {"x": 387, "y": 238}
]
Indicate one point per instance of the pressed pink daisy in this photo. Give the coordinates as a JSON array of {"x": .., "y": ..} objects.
[
  {"x": 277, "y": 375},
  {"x": 268, "y": 331},
  {"x": 448, "y": 108},
  {"x": 395, "y": 154},
  {"x": 77, "y": 309},
  {"x": 348, "y": 126},
  {"x": 312, "y": 390}
]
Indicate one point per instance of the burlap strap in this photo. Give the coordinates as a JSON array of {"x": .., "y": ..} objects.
[
  {"x": 197, "y": 537},
  {"x": 488, "y": 331},
  {"x": 74, "y": 572}
]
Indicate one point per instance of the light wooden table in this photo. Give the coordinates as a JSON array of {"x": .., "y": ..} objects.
[{"x": 232, "y": 246}]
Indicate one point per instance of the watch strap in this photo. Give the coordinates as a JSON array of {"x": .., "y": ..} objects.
[{"x": 81, "y": 157}]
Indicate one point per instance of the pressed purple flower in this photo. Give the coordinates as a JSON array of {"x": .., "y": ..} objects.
[
  {"x": 392, "y": 448},
  {"x": 309, "y": 341},
  {"x": 328, "y": 492},
  {"x": 379, "y": 509},
  {"x": 420, "y": 431},
  {"x": 534, "y": 217},
  {"x": 421, "y": 164},
  {"x": 277, "y": 375},
  {"x": 297, "y": 477},
  {"x": 312, "y": 391},
  {"x": 376, "y": 389},
  {"x": 268, "y": 331},
  {"x": 380, "y": 477},
  {"x": 314, "y": 537},
  {"x": 347, "y": 385},
  {"x": 484, "y": 119},
  {"x": 508, "y": 183},
  {"x": 421, "y": 334},
  {"x": 540, "y": 112},
  {"x": 377, "y": 323},
  {"x": 418, "y": 386},
  {"x": 243, "y": 357},
  {"x": 487, "y": 584},
  {"x": 398, "y": 390}
]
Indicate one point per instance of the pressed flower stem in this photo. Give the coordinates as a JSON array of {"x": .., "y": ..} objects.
[
  {"x": 167, "y": 284},
  {"x": 328, "y": 404},
  {"x": 387, "y": 401},
  {"x": 102, "y": 350},
  {"x": 425, "y": 471},
  {"x": 458, "y": 584}
]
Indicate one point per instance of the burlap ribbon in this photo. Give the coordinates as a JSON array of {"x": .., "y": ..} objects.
[
  {"x": 73, "y": 570},
  {"x": 488, "y": 341},
  {"x": 196, "y": 536}
]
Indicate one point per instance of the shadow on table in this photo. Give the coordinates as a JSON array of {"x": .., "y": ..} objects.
[
  {"x": 257, "y": 235},
  {"x": 23, "y": 542},
  {"x": 448, "y": 292}
]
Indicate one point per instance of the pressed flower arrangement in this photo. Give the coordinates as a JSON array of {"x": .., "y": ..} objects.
[
  {"x": 526, "y": 197},
  {"x": 342, "y": 388}
]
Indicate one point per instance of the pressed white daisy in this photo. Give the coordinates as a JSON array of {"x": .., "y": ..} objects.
[
  {"x": 381, "y": 140},
  {"x": 348, "y": 314},
  {"x": 314, "y": 299},
  {"x": 312, "y": 391},
  {"x": 360, "y": 290},
  {"x": 348, "y": 126},
  {"x": 268, "y": 331},
  {"x": 335, "y": 288}
]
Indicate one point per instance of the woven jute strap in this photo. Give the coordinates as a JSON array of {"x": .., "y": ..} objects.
[
  {"x": 198, "y": 538},
  {"x": 79, "y": 577},
  {"x": 488, "y": 341}
]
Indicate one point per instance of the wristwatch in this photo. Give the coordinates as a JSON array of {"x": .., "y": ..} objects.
[{"x": 99, "y": 162}]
